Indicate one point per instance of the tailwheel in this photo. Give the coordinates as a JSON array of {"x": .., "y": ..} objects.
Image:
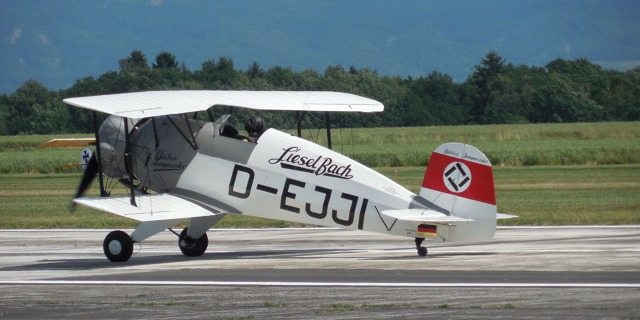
[
  {"x": 192, "y": 247},
  {"x": 422, "y": 251},
  {"x": 118, "y": 246}
]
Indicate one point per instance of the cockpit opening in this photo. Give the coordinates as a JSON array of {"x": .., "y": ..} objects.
[{"x": 227, "y": 126}]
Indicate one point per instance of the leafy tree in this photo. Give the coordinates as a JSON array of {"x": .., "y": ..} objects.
[
  {"x": 483, "y": 84},
  {"x": 579, "y": 69},
  {"x": 281, "y": 78},
  {"x": 136, "y": 61},
  {"x": 217, "y": 74},
  {"x": 435, "y": 101},
  {"x": 255, "y": 71},
  {"x": 559, "y": 102},
  {"x": 4, "y": 114},
  {"x": 33, "y": 109},
  {"x": 416, "y": 111},
  {"x": 308, "y": 80},
  {"x": 632, "y": 111},
  {"x": 524, "y": 84},
  {"x": 165, "y": 60},
  {"x": 496, "y": 92}
]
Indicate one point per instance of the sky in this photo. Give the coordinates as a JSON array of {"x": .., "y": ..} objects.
[{"x": 58, "y": 42}]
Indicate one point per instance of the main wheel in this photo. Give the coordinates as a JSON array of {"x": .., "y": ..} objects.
[
  {"x": 117, "y": 246},
  {"x": 192, "y": 247},
  {"x": 422, "y": 251}
]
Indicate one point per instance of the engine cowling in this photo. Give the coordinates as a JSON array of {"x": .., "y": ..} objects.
[{"x": 112, "y": 146}]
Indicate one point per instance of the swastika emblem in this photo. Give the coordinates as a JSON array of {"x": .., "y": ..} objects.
[{"x": 457, "y": 177}]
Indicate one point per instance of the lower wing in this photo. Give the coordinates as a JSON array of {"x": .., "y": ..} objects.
[{"x": 155, "y": 207}]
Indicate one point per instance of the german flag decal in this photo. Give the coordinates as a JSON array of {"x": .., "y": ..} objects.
[{"x": 427, "y": 231}]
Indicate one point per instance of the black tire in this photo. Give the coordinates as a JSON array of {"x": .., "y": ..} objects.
[
  {"x": 422, "y": 251},
  {"x": 192, "y": 247},
  {"x": 117, "y": 246}
]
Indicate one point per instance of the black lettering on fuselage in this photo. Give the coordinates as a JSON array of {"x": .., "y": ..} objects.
[
  {"x": 325, "y": 204},
  {"x": 352, "y": 210},
  {"x": 232, "y": 184},
  {"x": 363, "y": 210},
  {"x": 287, "y": 194}
]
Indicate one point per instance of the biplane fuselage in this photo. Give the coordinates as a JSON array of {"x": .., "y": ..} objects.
[
  {"x": 180, "y": 168},
  {"x": 279, "y": 177}
]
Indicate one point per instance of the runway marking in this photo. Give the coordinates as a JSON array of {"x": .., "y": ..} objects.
[
  {"x": 319, "y": 284},
  {"x": 326, "y": 228}
]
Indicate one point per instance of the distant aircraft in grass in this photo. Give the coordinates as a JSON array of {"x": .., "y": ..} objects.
[{"x": 176, "y": 167}]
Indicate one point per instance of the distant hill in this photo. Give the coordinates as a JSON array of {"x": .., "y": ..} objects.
[{"x": 57, "y": 42}]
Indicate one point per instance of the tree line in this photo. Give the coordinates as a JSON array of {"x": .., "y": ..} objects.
[{"x": 496, "y": 92}]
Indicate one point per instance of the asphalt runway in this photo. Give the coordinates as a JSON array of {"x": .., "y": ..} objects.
[{"x": 541, "y": 273}]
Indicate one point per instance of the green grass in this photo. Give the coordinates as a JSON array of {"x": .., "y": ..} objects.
[
  {"x": 540, "y": 195},
  {"x": 22, "y": 154},
  {"x": 548, "y": 174},
  {"x": 43, "y": 200},
  {"x": 576, "y": 195},
  {"x": 557, "y": 195},
  {"x": 505, "y": 145}
]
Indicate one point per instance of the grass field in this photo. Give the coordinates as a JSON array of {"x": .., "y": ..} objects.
[
  {"x": 558, "y": 174},
  {"x": 505, "y": 145},
  {"x": 22, "y": 154},
  {"x": 557, "y": 195},
  {"x": 541, "y": 195}
]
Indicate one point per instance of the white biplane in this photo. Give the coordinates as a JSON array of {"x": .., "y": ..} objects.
[{"x": 176, "y": 167}]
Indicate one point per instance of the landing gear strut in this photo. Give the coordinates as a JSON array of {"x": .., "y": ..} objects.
[
  {"x": 118, "y": 246},
  {"x": 192, "y": 247},
  {"x": 422, "y": 251}
]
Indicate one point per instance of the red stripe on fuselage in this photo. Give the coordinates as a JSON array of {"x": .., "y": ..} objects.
[{"x": 481, "y": 187}]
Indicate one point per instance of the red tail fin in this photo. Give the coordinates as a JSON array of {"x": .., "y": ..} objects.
[
  {"x": 460, "y": 170},
  {"x": 459, "y": 178}
]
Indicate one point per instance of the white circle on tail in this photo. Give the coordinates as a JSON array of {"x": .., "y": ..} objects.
[{"x": 457, "y": 177}]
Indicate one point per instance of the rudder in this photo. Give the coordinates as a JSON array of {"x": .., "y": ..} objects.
[{"x": 459, "y": 178}]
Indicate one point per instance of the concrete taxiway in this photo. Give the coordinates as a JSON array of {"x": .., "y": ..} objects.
[{"x": 569, "y": 272}]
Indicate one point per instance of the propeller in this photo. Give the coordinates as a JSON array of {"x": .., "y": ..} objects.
[{"x": 89, "y": 174}]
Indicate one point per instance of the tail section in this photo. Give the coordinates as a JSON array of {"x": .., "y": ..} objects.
[{"x": 459, "y": 178}]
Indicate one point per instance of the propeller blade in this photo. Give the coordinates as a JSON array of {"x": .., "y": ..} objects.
[{"x": 89, "y": 174}]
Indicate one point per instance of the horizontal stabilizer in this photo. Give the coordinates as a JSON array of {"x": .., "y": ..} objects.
[
  {"x": 156, "y": 207},
  {"x": 505, "y": 216},
  {"x": 423, "y": 216}
]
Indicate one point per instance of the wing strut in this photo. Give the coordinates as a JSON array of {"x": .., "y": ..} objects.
[
  {"x": 103, "y": 192},
  {"x": 328, "y": 123},
  {"x": 299, "y": 123},
  {"x": 327, "y": 120},
  {"x": 195, "y": 143},
  {"x": 192, "y": 141},
  {"x": 129, "y": 160}
]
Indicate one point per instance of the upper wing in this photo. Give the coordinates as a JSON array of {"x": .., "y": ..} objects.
[
  {"x": 149, "y": 207},
  {"x": 423, "y": 216},
  {"x": 157, "y": 103}
]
